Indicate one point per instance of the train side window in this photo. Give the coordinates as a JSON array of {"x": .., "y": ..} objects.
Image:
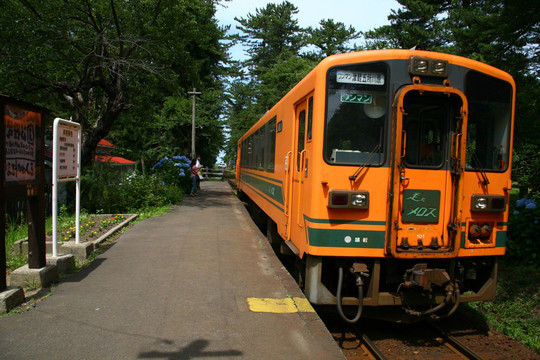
[
  {"x": 301, "y": 136},
  {"x": 310, "y": 119},
  {"x": 270, "y": 145}
]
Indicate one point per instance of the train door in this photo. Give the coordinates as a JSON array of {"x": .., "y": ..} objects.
[
  {"x": 427, "y": 165},
  {"x": 298, "y": 168}
]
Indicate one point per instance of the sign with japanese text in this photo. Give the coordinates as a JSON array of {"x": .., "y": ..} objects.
[
  {"x": 67, "y": 140},
  {"x": 21, "y": 129},
  {"x": 421, "y": 206}
]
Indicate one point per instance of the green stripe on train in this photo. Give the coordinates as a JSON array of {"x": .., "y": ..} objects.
[
  {"x": 273, "y": 191},
  {"x": 346, "y": 238}
]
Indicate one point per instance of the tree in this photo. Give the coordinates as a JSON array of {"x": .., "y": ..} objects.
[
  {"x": 331, "y": 38},
  {"x": 418, "y": 23},
  {"x": 270, "y": 32},
  {"x": 90, "y": 59}
]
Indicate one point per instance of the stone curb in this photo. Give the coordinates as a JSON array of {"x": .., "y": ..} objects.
[{"x": 11, "y": 297}]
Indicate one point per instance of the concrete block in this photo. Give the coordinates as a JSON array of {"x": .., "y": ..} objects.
[
  {"x": 21, "y": 246},
  {"x": 64, "y": 263},
  {"x": 10, "y": 298},
  {"x": 81, "y": 251},
  {"x": 34, "y": 278}
]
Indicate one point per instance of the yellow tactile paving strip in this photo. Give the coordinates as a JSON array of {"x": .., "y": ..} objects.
[{"x": 279, "y": 306}]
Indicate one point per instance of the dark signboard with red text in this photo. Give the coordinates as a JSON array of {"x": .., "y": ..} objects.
[{"x": 22, "y": 128}]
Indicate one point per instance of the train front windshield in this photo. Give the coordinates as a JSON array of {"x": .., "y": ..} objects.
[{"x": 356, "y": 113}]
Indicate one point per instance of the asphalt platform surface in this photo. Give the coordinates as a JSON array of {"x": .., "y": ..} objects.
[{"x": 175, "y": 287}]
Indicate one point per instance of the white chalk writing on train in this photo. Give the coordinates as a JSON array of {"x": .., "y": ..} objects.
[
  {"x": 423, "y": 212},
  {"x": 416, "y": 198}
]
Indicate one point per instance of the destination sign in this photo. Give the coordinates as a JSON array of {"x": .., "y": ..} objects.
[{"x": 357, "y": 77}]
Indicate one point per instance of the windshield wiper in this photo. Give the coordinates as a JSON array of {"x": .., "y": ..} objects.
[
  {"x": 354, "y": 176},
  {"x": 478, "y": 168}
]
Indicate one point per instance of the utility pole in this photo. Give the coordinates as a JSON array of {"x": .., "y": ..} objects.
[{"x": 194, "y": 93}]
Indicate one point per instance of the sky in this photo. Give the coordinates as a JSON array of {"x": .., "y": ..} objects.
[{"x": 363, "y": 15}]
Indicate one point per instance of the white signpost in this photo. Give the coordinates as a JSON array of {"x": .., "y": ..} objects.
[{"x": 66, "y": 167}]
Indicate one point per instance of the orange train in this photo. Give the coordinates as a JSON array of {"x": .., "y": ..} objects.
[{"x": 386, "y": 174}]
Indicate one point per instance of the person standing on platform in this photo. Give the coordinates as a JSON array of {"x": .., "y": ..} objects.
[
  {"x": 199, "y": 176},
  {"x": 194, "y": 177}
]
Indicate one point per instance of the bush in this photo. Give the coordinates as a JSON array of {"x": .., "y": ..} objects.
[
  {"x": 174, "y": 171},
  {"x": 523, "y": 230},
  {"x": 103, "y": 190}
]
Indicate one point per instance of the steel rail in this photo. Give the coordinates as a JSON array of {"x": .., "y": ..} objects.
[{"x": 455, "y": 345}]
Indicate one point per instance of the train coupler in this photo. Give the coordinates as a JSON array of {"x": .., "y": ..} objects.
[
  {"x": 421, "y": 276},
  {"x": 425, "y": 278}
]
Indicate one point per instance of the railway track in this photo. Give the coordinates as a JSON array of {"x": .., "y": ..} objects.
[
  {"x": 378, "y": 340},
  {"x": 459, "y": 349},
  {"x": 454, "y": 344}
]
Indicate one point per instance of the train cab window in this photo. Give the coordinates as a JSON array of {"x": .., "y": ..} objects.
[
  {"x": 490, "y": 116},
  {"x": 356, "y": 112},
  {"x": 425, "y": 123}
]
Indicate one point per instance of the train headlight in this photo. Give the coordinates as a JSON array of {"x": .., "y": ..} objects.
[
  {"x": 428, "y": 67},
  {"x": 359, "y": 200},
  {"x": 480, "y": 203},
  {"x": 490, "y": 203},
  {"x": 420, "y": 66},
  {"x": 343, "y": 199},
  {"x": 439, "y": 68}
]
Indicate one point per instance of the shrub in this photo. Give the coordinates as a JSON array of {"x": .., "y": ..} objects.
[
  {"x": 174, "y": 171},
  {"x": 103, "y": 190},
  {"x": 523, "y": 229}
]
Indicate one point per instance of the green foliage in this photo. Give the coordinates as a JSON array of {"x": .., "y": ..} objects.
[
  {"x": 93, "y": 60},
  {"x": 104, "y": 191},
  {"x": 270, "y": 32},
  {"x": 174, "y": 171},
  {"x": 331, "y": 38},
  {"x": 516, "y": 307},
  {"x": 526, "y": 168},
  {"x": 276, "y": 81},
  {"x": 523, "y": 229},
  {"x": 15, "y": 232},
  {"x": 415, "y": 24}
]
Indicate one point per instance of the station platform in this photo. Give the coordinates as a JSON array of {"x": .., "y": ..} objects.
[{"x": 200, "y": 282}]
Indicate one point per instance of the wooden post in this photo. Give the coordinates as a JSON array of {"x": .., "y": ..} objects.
[
  {"x": 3, "y": 267},
  {"x": 36, "y": 231},
  {"x": 194, "y": 93},
  {"x": 3, "y": 252}
]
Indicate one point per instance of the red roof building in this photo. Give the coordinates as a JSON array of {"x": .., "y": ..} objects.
[{"x": 103, "y": 155}]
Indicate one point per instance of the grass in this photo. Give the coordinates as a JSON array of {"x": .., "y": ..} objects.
[{"x": 516, "y": 308}]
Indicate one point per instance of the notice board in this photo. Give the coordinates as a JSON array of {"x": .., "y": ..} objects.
[{"x": 22, "y": 146}]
